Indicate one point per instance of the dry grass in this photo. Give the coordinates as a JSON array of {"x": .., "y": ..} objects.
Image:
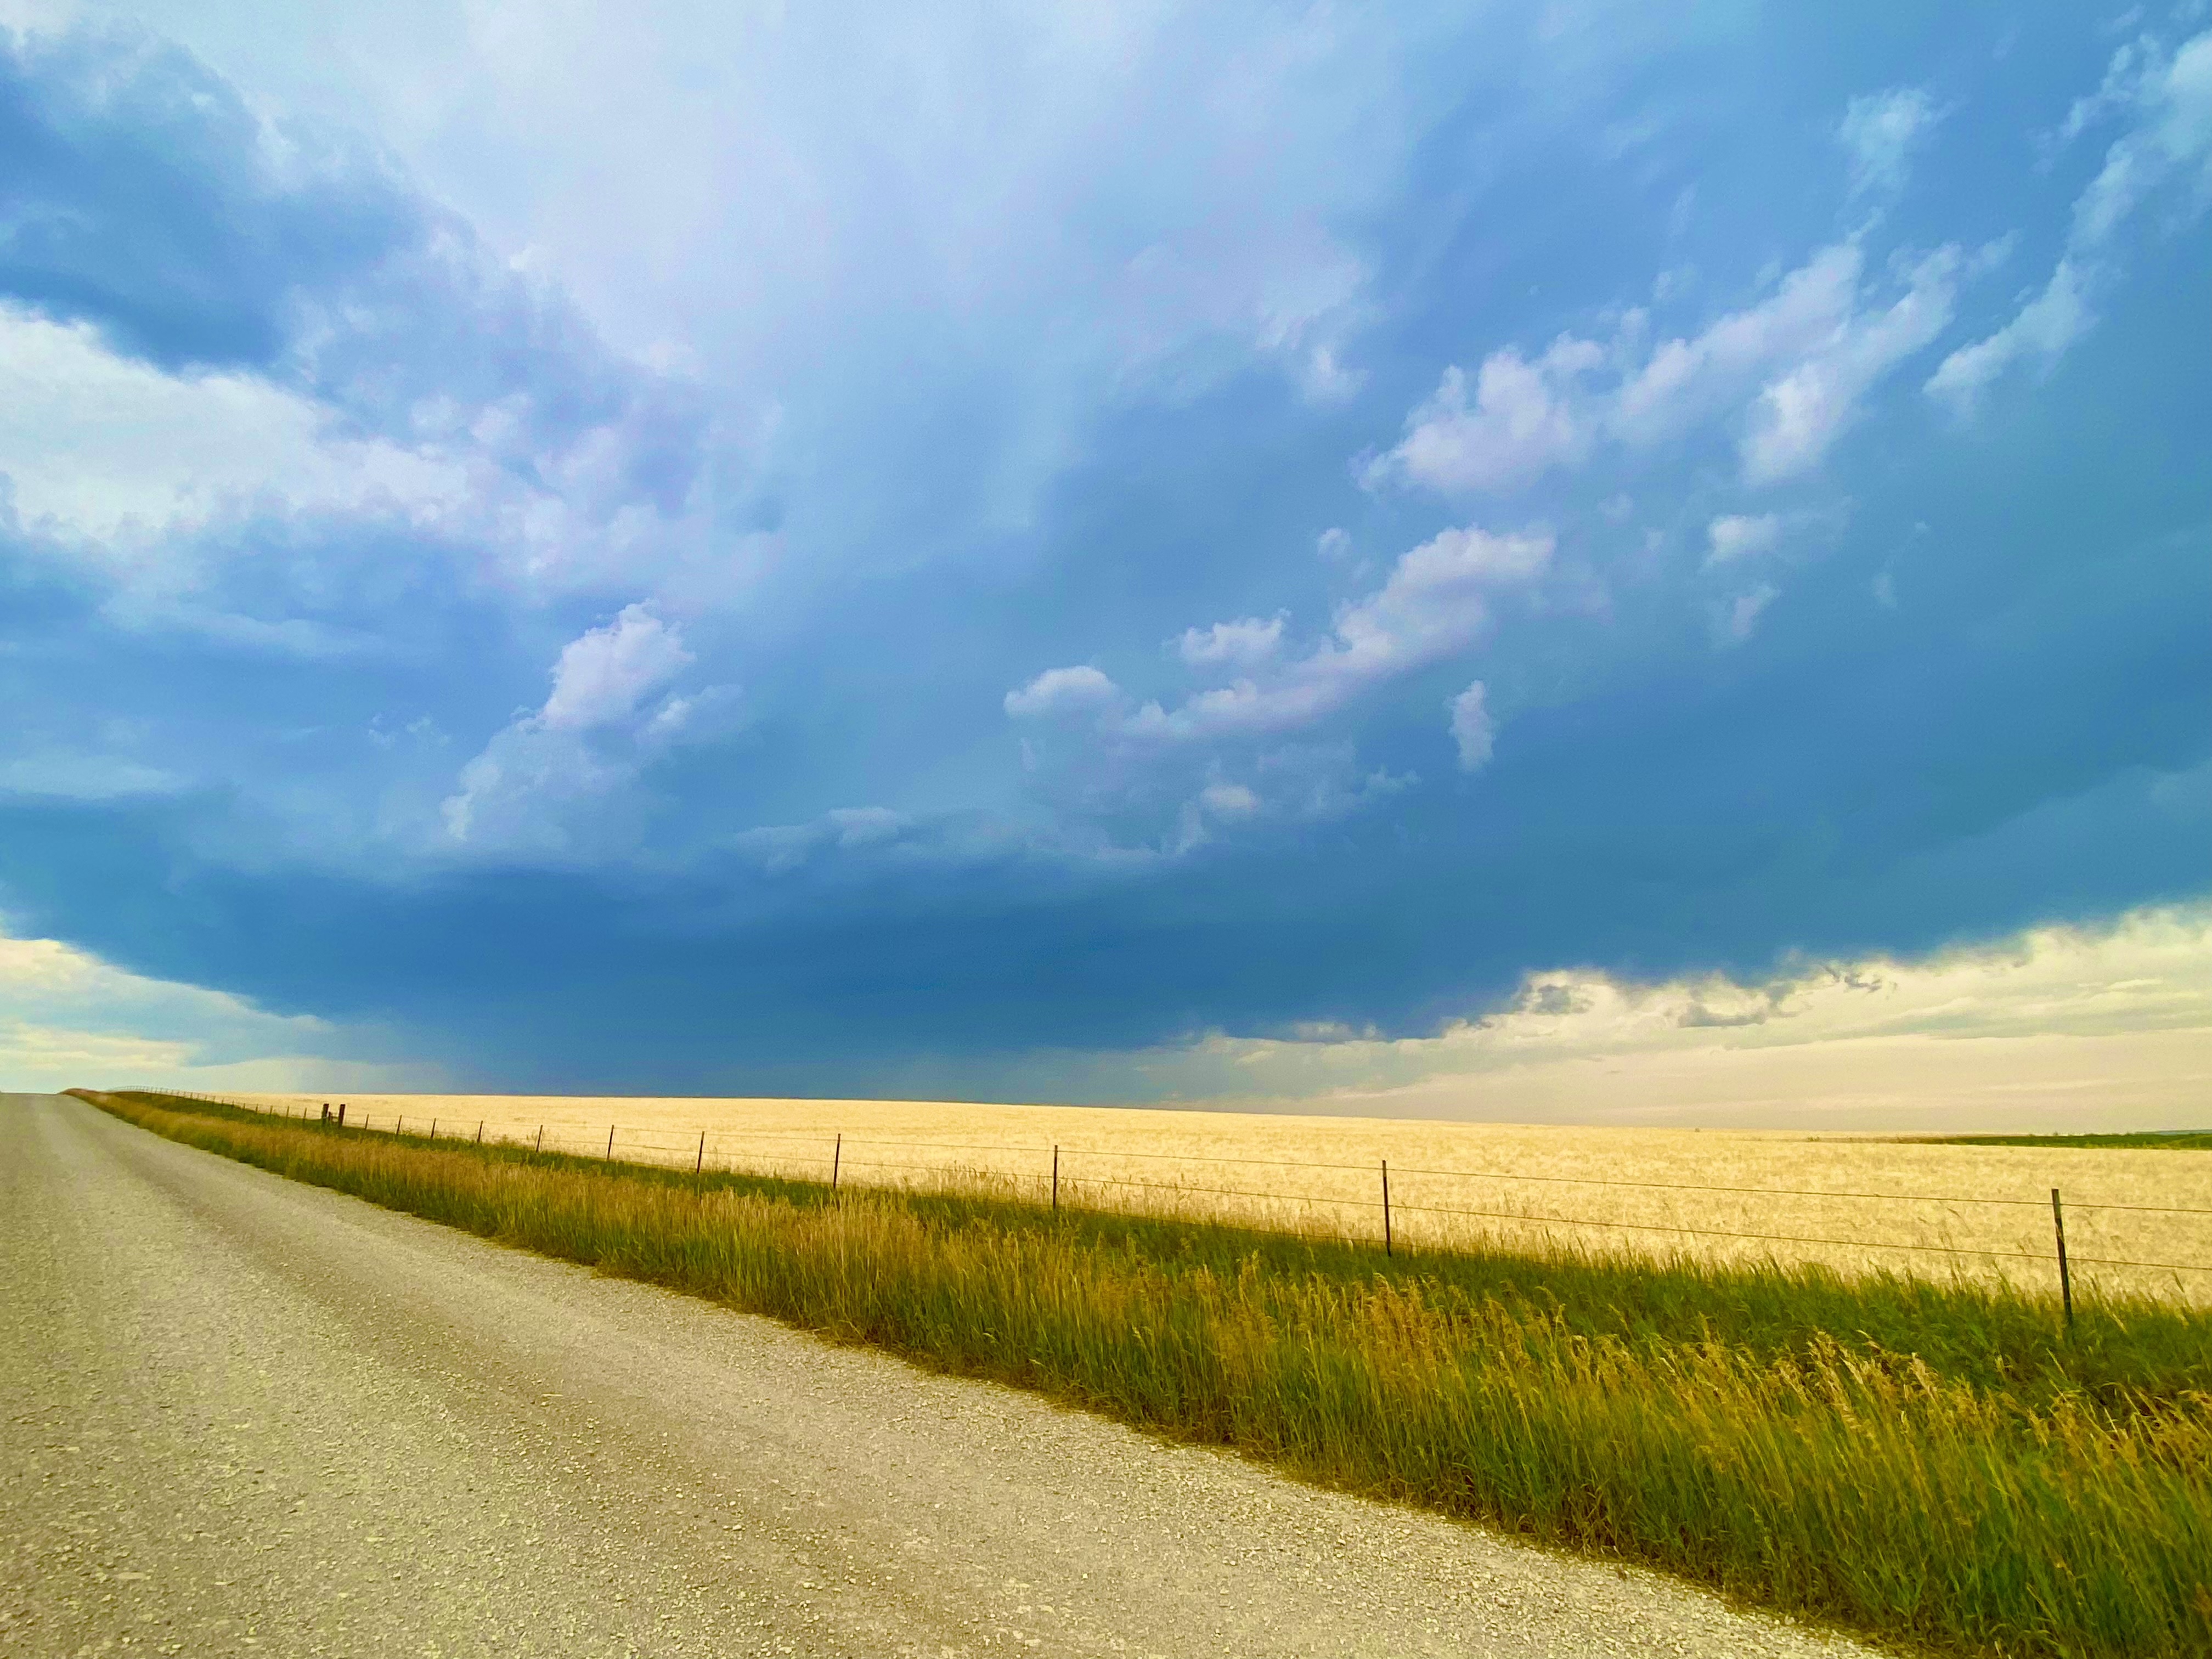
[{"x": 1322, "y": 1175}]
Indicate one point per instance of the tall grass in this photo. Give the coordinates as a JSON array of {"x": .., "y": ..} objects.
[{"x": 1935, "y": 1465}]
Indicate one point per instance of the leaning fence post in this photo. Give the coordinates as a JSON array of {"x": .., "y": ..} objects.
[
  {"x": 1056, "y": 1181},
  {"x": 2065, "y": 1279},
  {"x": 610, "y": 1143},
  {"x": 479, "y": 1132},
  {"x": 837, "y": 1157},
  {"x": 1387, "y": 1250},
  {"x": 700, "y": 1162},
  {"x": 541, "y": 1137},
  {"x": 434, "y": 1129}
]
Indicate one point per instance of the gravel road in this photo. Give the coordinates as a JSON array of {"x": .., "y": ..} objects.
[{"x": 243, "y": 1415}]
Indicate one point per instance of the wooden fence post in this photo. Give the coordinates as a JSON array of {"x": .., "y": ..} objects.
[
  {"x": 1056, "y": 1181},
  {"x": 2065, "y": 1279},
  {"x": 699, "y": 1163},
  {"x": 1387, "y": 1250},
  {"x": 541, "y": 1137},
  {"x": 434, "y": 1129},
  {"x": 837, "y": 1157},
  {"x": 479, "y": 1132},
  {"x": 610, "y": 1143}
]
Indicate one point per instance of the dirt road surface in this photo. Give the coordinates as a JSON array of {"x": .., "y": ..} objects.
[{"x": 244, "y": 1415}]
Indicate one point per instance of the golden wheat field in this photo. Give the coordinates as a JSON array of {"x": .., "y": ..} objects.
[{"x": 1851, "y": 1202}]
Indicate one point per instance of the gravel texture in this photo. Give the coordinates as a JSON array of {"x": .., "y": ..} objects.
[{"x": 243, "y": 1415}]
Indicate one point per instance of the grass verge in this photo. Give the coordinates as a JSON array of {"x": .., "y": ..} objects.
[{"x": 1936, "y": 1465}]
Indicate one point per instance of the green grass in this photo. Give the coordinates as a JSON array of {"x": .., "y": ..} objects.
[
  {"x": 1939, "y": 1465},
  {"x": 2197, "y": 1141}
]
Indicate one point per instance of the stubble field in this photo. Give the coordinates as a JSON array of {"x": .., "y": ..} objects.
[{"x": 1855, "y": 1204}]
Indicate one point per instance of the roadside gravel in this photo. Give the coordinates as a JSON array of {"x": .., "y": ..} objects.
[{"x": 243, "y": 1414}]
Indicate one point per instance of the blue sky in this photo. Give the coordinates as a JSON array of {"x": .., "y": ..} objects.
[{"x": 969, "y": 549}]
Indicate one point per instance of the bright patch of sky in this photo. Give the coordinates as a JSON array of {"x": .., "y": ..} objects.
[
  {"x": 2057, "y": 1030},
  {"x": 678, "y": 547},
  {"x": 65, "y": 1016}
]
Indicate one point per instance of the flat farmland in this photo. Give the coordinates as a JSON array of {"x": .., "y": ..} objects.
[
  {"x": 2136, "y": 1220},
  {"x": 1942, "y": 1462}
]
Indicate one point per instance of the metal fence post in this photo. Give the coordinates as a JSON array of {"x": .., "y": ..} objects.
[
  {"x": 2065, "y": 1279},
  {"x": 1387, "y": 1250}
]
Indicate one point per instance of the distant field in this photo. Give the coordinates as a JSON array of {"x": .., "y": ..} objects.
[
  {"x": 2195, "y": 1140},
  {"x": 1843, "y": 1202}
]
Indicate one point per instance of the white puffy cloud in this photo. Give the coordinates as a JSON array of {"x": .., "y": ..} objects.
[
  {"x": 1799, "y": 413},
  {"x": 1059, "y": 692},
  {"x": 2171, "y": 136},
  {"x": 560, "y": 776},
  {"x": 1323, "y": 378},
  {"x": 141, "y": 477},
  {"x": 1243, "y": 644},
  {"x": 99, "y": 448},
  {"x": 1113, "y": 758},
  {"x": 1436, "y": 599},
  {"x": 1738, "y": 536},
  {"x": 1880, "y": 132},
  {"x": 1807, "y": 356},
  {"x": 603, "y": 675},
  {"x": 1435, "y": 602},
  {"x": 1523, "y": 421},
  {"x": 1688, "y": 380},
  {"x": 2040, "y": 331},
  {"x": 1471, "y": 728},
  {"x": 2168, "y": 142},
  {"x": 1737, "y": 618},
  {"x": 1791, "y": 370}
]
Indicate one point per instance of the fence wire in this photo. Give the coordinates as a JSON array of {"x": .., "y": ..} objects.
[{"x": 840, "y": 1152}]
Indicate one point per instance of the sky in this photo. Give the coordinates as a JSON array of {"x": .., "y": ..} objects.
[{"x": 1380, "y": 559}]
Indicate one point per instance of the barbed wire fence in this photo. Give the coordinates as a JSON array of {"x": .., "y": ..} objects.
[{"x": 824, "y": 1156}]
